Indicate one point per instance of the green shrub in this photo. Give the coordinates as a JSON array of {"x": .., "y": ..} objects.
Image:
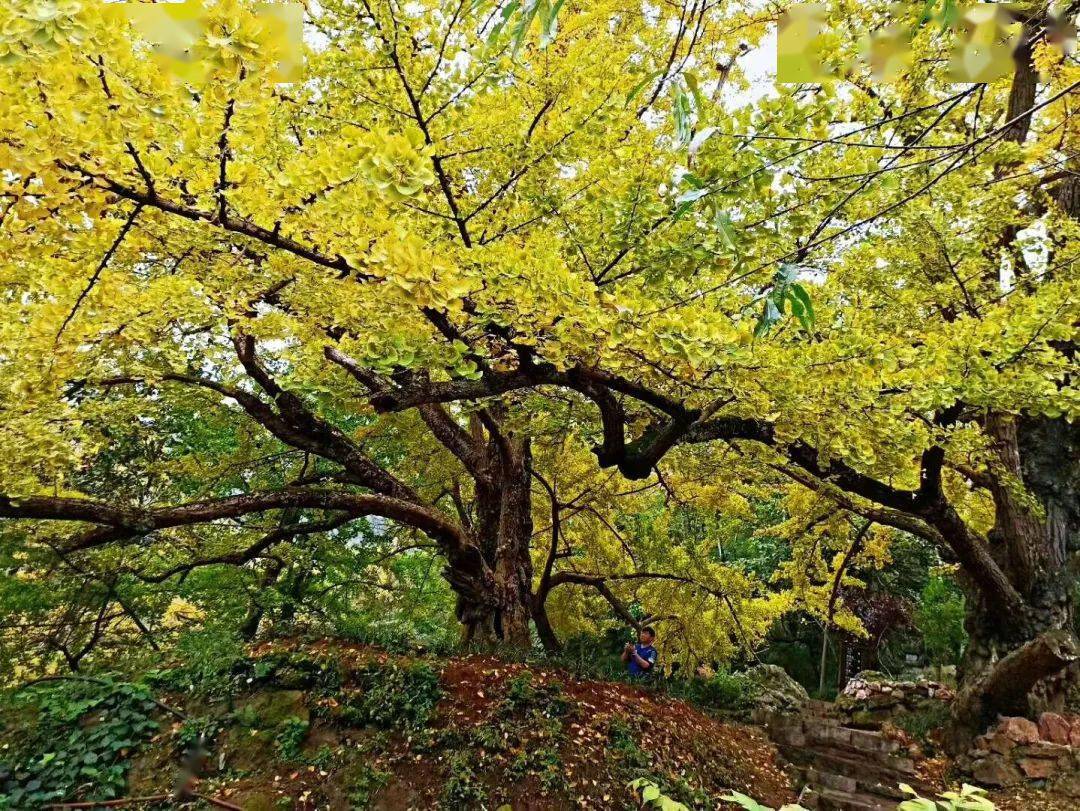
[
  {"x": 211, "y": 658},
  {"x": 394, "y": 695},
  {"x": 921, "y": 723},
  {"x": 295, "y": 670},
  {"x": 940, "y": 619},
  {"x": 722, "y": 691},
  {"x": 292, "y": 732},
  {"x": 365, "y": 784},
  {"x": 79, "y": 743},
  {"x": 463, "y": 788},
  {"x": 524, "y": 695},
  {"x": 623, "y": 744}
]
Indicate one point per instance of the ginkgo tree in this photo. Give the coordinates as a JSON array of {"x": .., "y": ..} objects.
[
  {"x": 219, "y": 241},
  {"x": 464, "y": 208}
]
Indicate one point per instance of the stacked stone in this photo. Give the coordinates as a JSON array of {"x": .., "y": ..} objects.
[
  {"x": 1017, "y": 750},
  {"x": 870, "y": 698}
]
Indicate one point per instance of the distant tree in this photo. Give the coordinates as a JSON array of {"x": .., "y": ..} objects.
[{"x": 939, "y": 616}]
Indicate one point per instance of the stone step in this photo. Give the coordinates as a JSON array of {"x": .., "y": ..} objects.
[
  {"x": 844, "y": 759},
  {"x": 833, "y": 800},
  {"x": 846, "y": 737},
  {"x": 816, "y": 708},
  {"x": 856, "y": 782}
]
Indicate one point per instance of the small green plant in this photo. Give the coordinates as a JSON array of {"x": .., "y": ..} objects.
[
  {"x": 543, "y": 761},
  {"x": 523, "y": 694},
  {"x": 402, "y": 697},
  {"x": 462, "y": 788},
  {"x": 652, "y": 796},
  {"x": 721, "y": 691},
  {"x": 624, "y": 745},
  {"x": 968, "y": 798},
  {"x": 196, "y": 733},
  {"x": 247, "y": 716},
  {"x": 78, "y": 745},
  {"x": 923, "y": 722},
  {"x": 365, "y": 785},
  {"x": 210, "y": 656},
  {"x": 290, "y": 737}
]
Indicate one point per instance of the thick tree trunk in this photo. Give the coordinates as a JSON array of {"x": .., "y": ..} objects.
[
  {"x": 495, "y": 601},
  {"x": 1017, "y": 662}
]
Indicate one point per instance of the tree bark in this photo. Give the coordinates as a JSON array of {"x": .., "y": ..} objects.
[
  {"x": 495, "y": 599},
  {"x": 1018, "y": 663}
]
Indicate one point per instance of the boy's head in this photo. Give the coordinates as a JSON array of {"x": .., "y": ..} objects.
[{"x": 646, "y": 635}]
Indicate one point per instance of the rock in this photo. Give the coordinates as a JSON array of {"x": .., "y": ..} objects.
[
  {"x": 1044, "y": 749},
  {"x": 772, "y": 688},
  {"x": 1019, "y": 730},
  {"x": 996, "y": 771},
  {"x": 1068, "y": 784},
  {"x": 271, "y": 707},
  {"x": 1038, "y": 768},
  {"x": 1054, "y": 728},
  {"x": 862, "y": 695},
  {"x": 1074, "y": 735},
  {"x": 1000, "y": 744}
]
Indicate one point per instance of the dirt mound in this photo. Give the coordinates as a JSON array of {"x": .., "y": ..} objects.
[{"x": 346, "y": 726}]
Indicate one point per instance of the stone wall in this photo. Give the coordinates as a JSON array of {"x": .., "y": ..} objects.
[
  {"x": 1017, "y": 750},
  {"x": 870, "y": 699}
]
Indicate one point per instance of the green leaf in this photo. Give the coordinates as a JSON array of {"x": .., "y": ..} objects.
[
  {"x": 549, "y": 23},
  {"x": 769, "y": 316},
  {"x": 786, "y": 274},
  {"x": 522, "y": 28},
  {"x": 727, "y": 230},
  {"x": 650, "y": 793},
  {"x": 749, "y": 803},
  {"x": 507, "y": 13},
  {"x": 641, "y": 86},
  {"x": 695, "y": 88},
  {"x": 798, "y": 294},
  {"x": 691, "y": 195},
  {"x": 682, "y": 113},
  {"x": 690, "y": 179}
]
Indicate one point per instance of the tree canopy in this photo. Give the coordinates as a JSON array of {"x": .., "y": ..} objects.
[{"x": 412, "y": 289}]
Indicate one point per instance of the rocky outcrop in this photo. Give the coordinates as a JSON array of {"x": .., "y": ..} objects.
[
  {"x": 1017, "y": 751},
  {"x": 771, "y": 689},
  {"x": 870, "y": 698}
]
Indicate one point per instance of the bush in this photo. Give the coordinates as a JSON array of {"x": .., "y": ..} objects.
[
  {"x": 394, "y": 695},
  {"x": 522, "y": 694},
  {"x": 78, "y": 743},
  {"x": 211, "y": 657},
  {"x": 722, "y": 691},
  {"x": 940, "y": 618},
  {"x": 290, "y": 737},
  {"x": 365, "y": 784},
  {"x": 923, "y": 722},
  {"x": 463, "y": 788}
]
